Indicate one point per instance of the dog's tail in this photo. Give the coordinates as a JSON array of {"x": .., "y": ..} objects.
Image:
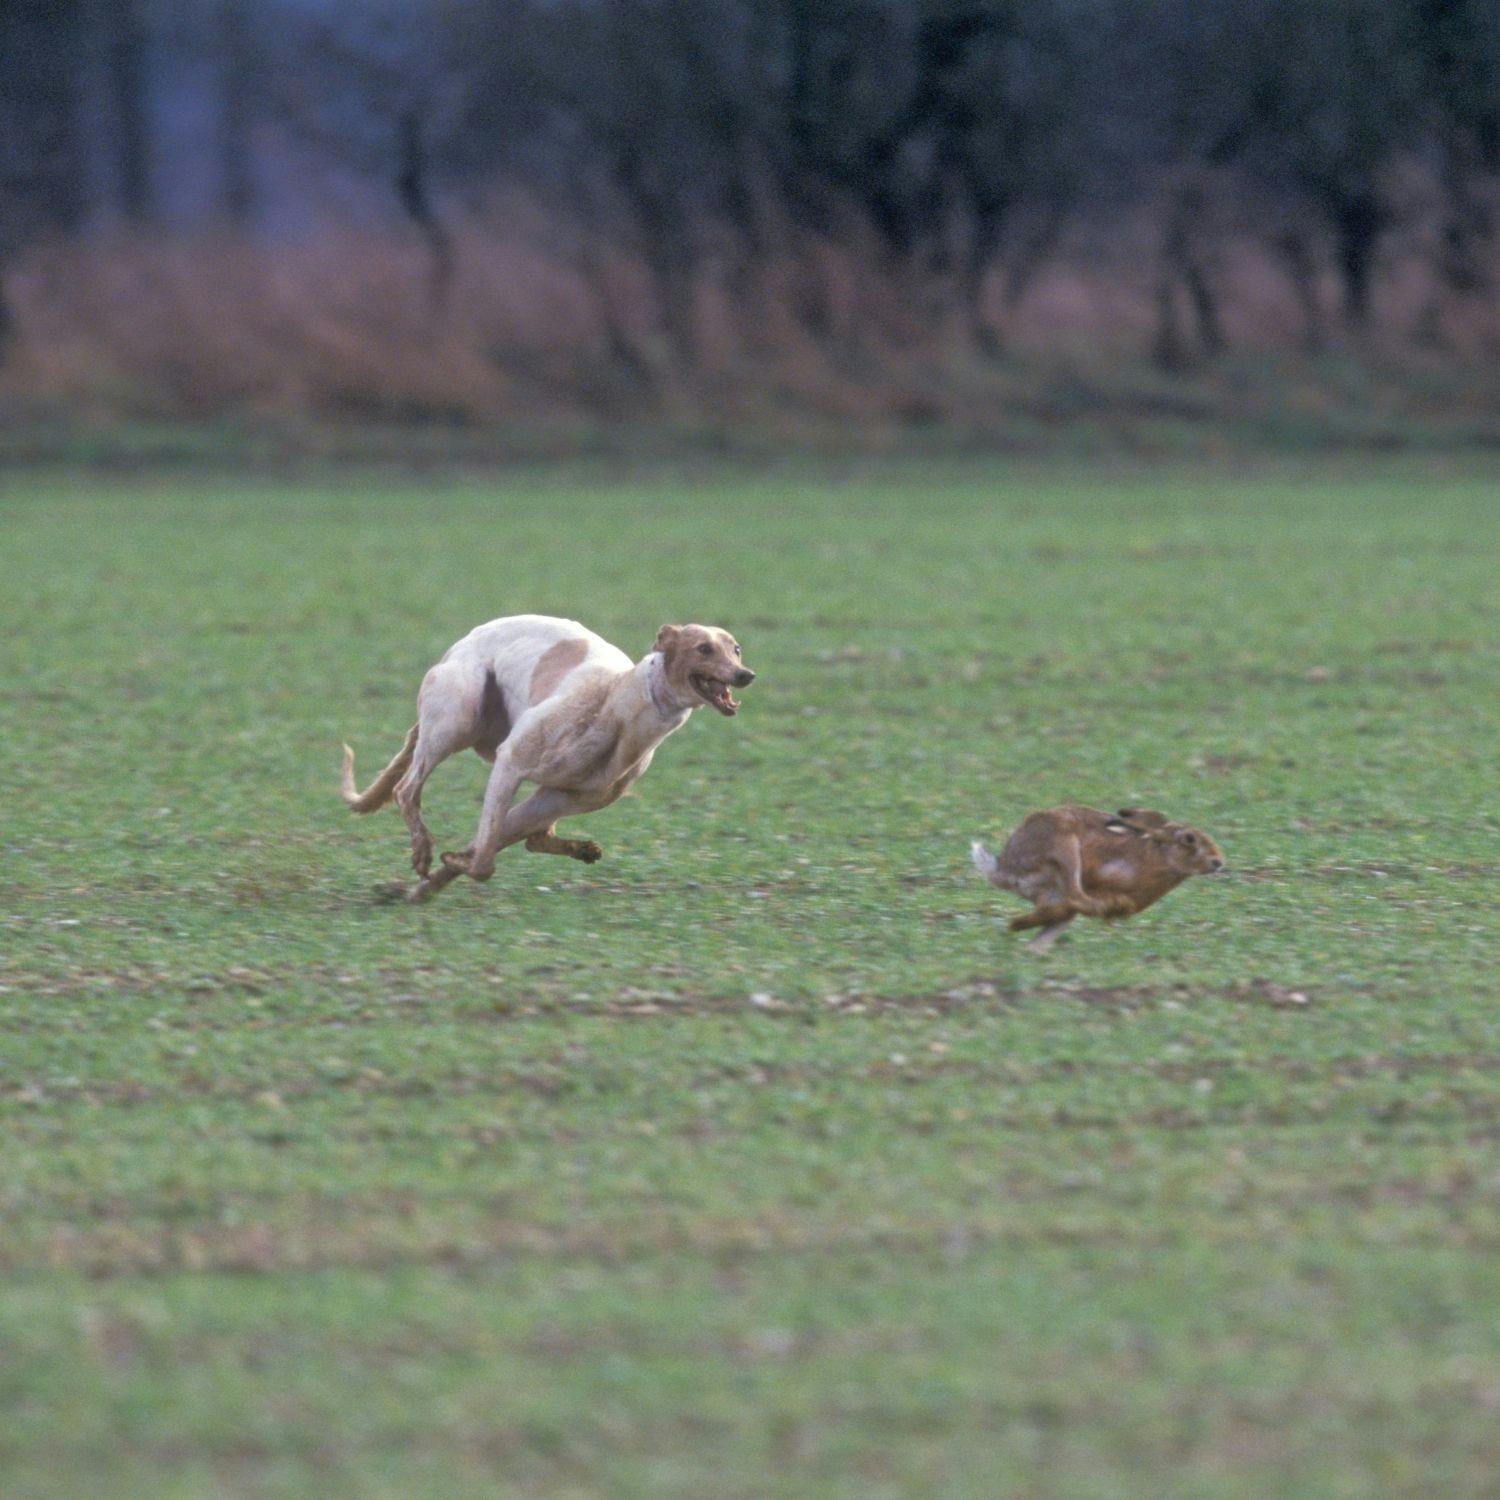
[
  {"x": 378, "y": 793},
  {"x": 987, "y": 864}
]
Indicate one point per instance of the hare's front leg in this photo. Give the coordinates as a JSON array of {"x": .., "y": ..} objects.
[{"x": 1067, "y": 862}]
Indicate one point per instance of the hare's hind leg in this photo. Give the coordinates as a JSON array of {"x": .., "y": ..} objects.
[
  {"x": 1051, "y": 919},
  {"x": 1049, "y": 934},
  {"x": 1040, "y": 916}
]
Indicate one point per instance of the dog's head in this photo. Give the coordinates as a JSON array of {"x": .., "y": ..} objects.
[{"x": 702, "y": 663}]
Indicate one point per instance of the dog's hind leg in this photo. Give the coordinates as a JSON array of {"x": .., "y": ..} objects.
[
  {"x": 431, "y": 752},
  {"x": 448, "y": 721}
]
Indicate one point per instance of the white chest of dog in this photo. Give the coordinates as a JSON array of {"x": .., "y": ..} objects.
[{"x": 548, "y": 702}]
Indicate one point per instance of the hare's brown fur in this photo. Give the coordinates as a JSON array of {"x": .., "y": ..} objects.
[{"x": 1074, "y": 861}]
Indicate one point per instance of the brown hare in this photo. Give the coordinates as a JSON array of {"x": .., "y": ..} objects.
[{"x": 1075, "y": 861}]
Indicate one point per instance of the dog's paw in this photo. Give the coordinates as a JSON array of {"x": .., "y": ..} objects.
[
  {"x": 464, "y": 863},
  {"x": 588, "y": 851}
]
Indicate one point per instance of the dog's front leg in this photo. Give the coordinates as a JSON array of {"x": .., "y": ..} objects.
[
  {"x": 534, "y": 816},
  {"x": 533, "y": 821},
  {"x": 478, "y": 860},
  {"x": 546, "y": 841}
]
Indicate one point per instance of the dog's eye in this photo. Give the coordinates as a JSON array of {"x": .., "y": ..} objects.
[
  {"x": 736, "y": 650},
  {"x": 705, "y": 649}
]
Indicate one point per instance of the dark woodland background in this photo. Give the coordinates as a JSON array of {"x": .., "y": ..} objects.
[{"x": 888, "y": 214}]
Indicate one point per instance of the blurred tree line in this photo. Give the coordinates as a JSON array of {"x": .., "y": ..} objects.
[{"x": 957, "y": 141}]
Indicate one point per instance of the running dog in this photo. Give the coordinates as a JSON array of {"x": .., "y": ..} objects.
[{"x": 549, "y": 702}]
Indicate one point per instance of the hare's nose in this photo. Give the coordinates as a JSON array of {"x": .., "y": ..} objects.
[{"x": 1218, "y": 865}]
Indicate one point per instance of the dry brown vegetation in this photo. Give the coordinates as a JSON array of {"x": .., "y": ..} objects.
[{"x": 539, "y": 323}]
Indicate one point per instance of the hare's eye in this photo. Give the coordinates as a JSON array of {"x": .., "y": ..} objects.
[
  {"x": 705, "y": 649},
  {"x": 1190, "y": 838}
]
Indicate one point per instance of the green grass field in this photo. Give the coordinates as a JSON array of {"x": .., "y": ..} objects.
[{"x": 520, "y": 1193}]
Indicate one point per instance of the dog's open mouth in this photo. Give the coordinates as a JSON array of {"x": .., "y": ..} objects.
[{"x": 716, "y": 693}]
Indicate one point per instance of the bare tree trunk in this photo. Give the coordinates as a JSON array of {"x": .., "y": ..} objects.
[
  {"x": 7, "y": 317},
  {"x": 1031, "y": 255},
  {"x": 236, "y": 82},
  {"x": 978, "y": 260},
  {"x": 126, "y": 52},
  {"x": 667, "y": 248},
  {"x": 1205, "y": 303},
  {"x": 1469, "y": 223},
  {"x": 986, "y": 336},
  {"x": 1302, "y": 271},
  {"x": 618, "y": 343},
  {"x": 675, "y": 292},
  {"x": 1183, "y": 264},
  {"x": 1191, "y": 215},
  {"x": 41, "y": 161},
  {"x": 1358, "y": 221},
  {"x": 413, "y": 192},
  {"x": 1167, "y": 347},
  {"x": 41, "y": 164},
  {"x": 1460, "y": 262}
]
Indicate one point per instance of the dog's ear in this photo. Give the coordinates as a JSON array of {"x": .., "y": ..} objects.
[{"x": 665, "y": 636}]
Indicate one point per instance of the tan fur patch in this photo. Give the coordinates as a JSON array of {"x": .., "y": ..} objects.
[
  {"x": 553, "y": 665},
  {"x": 558, "y": 736}
]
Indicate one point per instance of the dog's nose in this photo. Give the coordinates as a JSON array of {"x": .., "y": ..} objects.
[{"x": 744, "y": 677}]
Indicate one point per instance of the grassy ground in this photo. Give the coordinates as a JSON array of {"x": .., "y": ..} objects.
[{"x": 522, "y": 1193}]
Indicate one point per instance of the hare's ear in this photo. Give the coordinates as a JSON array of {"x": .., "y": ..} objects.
[
  {"x": 665, "y": 636},
  {"x": 1114, "y": 825},
  {"x": 1141, "y": 818}
]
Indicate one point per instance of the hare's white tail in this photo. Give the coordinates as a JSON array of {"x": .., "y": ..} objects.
[{"x": 985, "y": 863}]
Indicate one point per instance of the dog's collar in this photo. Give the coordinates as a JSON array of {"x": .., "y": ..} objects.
[{"x": 658, "y": 691}]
